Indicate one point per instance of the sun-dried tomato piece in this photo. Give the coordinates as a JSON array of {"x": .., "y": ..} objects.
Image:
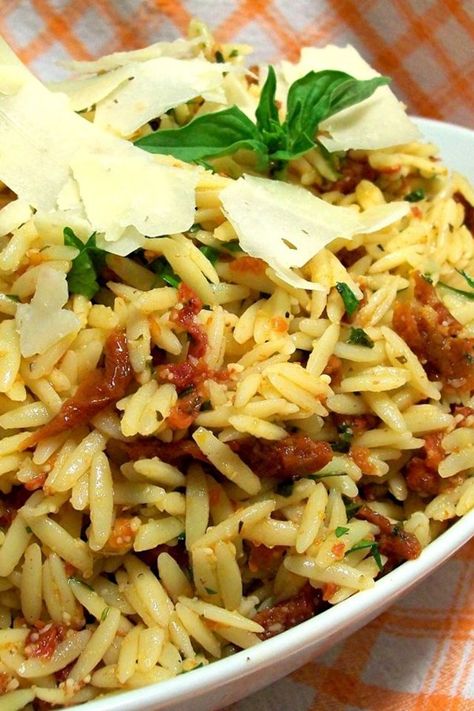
[
  {"x": 294, "y": 456},
  {"x": 185, "y": 317},
  {"x": 393, "y": 541},
  {"x": 100, "y": 389},
  {"x": 430, "y": 330},
  {"x": 42, "y": 641},
  {"x": 264, "y": 560},
  {"x": 290, "y": 612}
]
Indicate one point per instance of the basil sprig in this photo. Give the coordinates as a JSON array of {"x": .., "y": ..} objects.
[
  {"x": 82, "y": 277},
  {"x": 311, "y": 99}
]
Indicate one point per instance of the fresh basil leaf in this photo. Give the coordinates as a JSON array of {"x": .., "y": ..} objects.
[
  {"x": 340, "y": 531},
  {"x": 469, "y": 279},
  {"x": 351, "y": 92},
  {"x": 82, "y": 277},
  {"x": 358, "y": 337},
  {"x": 315, "y": 97},
  {"x": 272, "y": 132},
  {"x": 415, "y": 195},
  {"x": 210, "y": 135},
  {"x": 211, "y": 253},
  {"x": 349, "y": 298},
  {"x": 267, "y": 112}
]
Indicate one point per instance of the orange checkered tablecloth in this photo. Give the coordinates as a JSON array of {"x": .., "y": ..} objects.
[{"x": 418, "y": 656}]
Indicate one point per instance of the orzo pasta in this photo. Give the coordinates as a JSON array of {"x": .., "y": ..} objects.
[{"x": 236, "y": 357}]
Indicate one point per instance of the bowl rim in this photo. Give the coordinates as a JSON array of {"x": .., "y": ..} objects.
[{"x": 326, "y": 625}]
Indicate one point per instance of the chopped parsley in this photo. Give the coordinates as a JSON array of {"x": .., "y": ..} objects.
[
  {"x": 345, "y": 438},
  {"x": 373, "y": 548},
  {"x": 341, "y": 531},
  {"x": 415, "y": 195},
  {"x": 234, "y": 53},
  {"x": 219, "y": 57},
  {"x": 466, "y": 294},
  {"x": 13, "y": 297},
  {"x": 351, "y": 508},
  {"x": 73, "y": 579},
  {"x": 211, "y": 253},
  {"x": 162, "y": 269},
  {"x": 349, "y": 298},
  {"x": 28, "y": 529},
  {"x": 316, "y": 477},
  {"x": 233, "y": 246},
  {"x": 285, "y": 488},
  {"x": 195, "y": 228},
  {"x": 210, "y": 591},
  {"x": 467, "y": 277},
  {"x": 358, "y": 337},
  {"x": 104, "y": 614},
  {"x": 82, "y": 277}
]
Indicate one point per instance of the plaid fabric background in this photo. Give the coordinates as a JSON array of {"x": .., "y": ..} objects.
[{"x": 418, "y": 656}]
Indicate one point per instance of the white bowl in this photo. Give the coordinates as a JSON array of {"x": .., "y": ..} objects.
[{"x": 231, "y": 679}]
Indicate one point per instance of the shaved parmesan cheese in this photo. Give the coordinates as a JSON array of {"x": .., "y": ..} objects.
[
  {"x": 84, "y": 92},
  {"x": 43, "y": 322},
  {"x": 13, "y": 215},
  {"x": 286, "y": 225},
  {"x": 155, "y": 87},
  {"x": 45, "y": 146},
  {"x": 377, "y": 122},
  {"x": 107, "y": 183},
  {"x": 180, "y": 48}
]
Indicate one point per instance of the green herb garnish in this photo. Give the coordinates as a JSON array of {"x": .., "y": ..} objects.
[
  {"x": 210, "y": 591},
  {"x": 415, "y": 195},
  {"x": 374, "y": 550},
  {"x": 219, "y": 57},
  {"x": 285, "y": 488},
  {"x": 104, "y": 614},
  {"x": 351, "y": 508},
  {"x": 233, "y": 246},
  {"x": 316, "y": 477},
  {"x": 341, "y": 531},
  {"x": 467, "y": 277},
  {"x": 311, "y": 99},
  {"x": 466, "y": 294},
  {"x": 82, "y": 277},
  {"x": 345, "y": 438},
  {"x": 28, "y": 529},
  {"x": 349, "y": 298},
  {"x": 195, "y": 228},
  {"x": 359, "y": 337},
  {"x": 161, "y": 267},
  {"x": 73, "y": 579},
  {"x": 210, "y": 252},
  {"x": 13, "y": 297}
]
